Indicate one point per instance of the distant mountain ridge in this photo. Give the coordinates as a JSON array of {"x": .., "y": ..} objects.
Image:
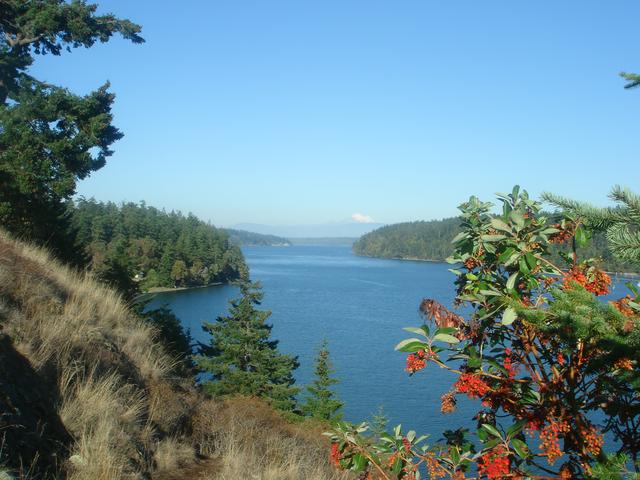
[{"x": 244, "y": 238}]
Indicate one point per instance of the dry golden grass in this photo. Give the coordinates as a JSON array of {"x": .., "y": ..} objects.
[
  {"x": 113, "y": 388},
  {"x": 251, "y": 440}
]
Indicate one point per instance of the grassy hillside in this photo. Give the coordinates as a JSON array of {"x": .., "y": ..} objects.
[{"x": 86, "y": 392}]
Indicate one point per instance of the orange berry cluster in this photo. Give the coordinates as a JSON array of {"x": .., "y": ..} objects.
[
  {"x": 623, "y": 307},
  {"x": 623, "y": 364},
  {"x": 592, "y": 439},
  {"x": 472, "y": 385},
  {"x": 562, "y": 236},
  {"x": 418, "y": 360},
  {"x": 597, "y": 282},
  {"x": 434, "y": 468},
  {"x": 550, "y": 444},
  {"x": 470, "y": 263},
  {"x": 495, "y": 463},
  {"x": 448, "y": 402},
  {"x": 335, "y": 456}
]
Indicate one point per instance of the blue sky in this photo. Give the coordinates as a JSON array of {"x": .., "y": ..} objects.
[{"x": 300, "y": 112}]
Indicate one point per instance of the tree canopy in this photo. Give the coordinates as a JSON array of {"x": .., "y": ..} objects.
[{"x": 50, "y": 137}]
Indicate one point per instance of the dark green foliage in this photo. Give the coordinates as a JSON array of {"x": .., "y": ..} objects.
[
  {"x": 321, "y": 402},
  {"x": 162, "y": 249},
  {"x": 242, "y": 359},
  {"x": 412, "y": 240},
  {"x": 244, "y": 238},
  {"x": 49, "y": 137}
]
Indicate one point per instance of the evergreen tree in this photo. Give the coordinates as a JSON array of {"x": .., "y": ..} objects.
[
  {"x": 379, "y": 422},
  {"x": 321, "y": 401},
  {"x": 241, "y": 357}
]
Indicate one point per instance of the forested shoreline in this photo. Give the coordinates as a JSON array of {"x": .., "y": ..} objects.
[{"x": 431, "y": 241}]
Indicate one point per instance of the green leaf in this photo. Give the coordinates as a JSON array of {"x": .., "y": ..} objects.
[
  {"x": 500, "y": 225},
  {"x": 581, "y": 237},
  {"x": 359, "y": 462},
  {"x": 515, "y": 428},
  {"x": 492, "y": 430},
  {"x": 522, "y": 265},
  {"x": 509, "y": 316},
  {"x": 532, "y": 261},
  {"x": 424, "y": 330},
  {"x": 448, "y": 330},
  {"x": 397, "y": 465},
  {"x": 517, "y": 217},
  {"x": 443, "y": 337},
  {"x": 411, "y": 345},
  {"x": 520, "y": 447},
  {"x": 492, "y": 238},
  {"x": 511, "y": 282},
  {"x": 459, "y": 237},
  {"x": 506, "y": 255}
]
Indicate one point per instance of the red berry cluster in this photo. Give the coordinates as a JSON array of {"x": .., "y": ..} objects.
[
  {"x": 508, "y": 364},
  {"x": 596, "y": 282},
  {"x": 495, "y": 463},
  {"x": 472, "y": 385}
]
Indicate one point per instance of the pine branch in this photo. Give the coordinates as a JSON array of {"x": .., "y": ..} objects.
[
  {"x": 594, "y": 217},
  {"x": 630, "y": 200},
  {"x": 624, "y": 243},
  {"x": 633, "y": 79}
]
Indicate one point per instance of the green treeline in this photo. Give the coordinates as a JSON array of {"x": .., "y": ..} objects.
[
  {"x": 411, "y": 240},
  {"x": 252, "y": 239},
  {"x": 431, "y": 240},
  {"x": 135, "y": 243}
]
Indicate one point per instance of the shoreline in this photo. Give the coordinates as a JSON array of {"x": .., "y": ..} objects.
[
  {"x": 629, "y": 275},
  {"x": 155, "y": 290}
]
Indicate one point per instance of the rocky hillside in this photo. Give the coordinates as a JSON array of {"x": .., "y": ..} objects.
[{"x": 86, "y": 392}]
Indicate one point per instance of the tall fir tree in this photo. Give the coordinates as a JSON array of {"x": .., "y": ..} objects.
[
  {"x": 321, "y": 402},
  {"x": 243, "y": 359}
]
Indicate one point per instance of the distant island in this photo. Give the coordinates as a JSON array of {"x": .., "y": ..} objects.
[
  {"x": 324, "y": 241},
  {"x": 244, "y": 238},
  {"x": 431, "y": 240}
]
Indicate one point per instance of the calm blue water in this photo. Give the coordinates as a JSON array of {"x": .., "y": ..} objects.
[{"x": 360, "y": 306}]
